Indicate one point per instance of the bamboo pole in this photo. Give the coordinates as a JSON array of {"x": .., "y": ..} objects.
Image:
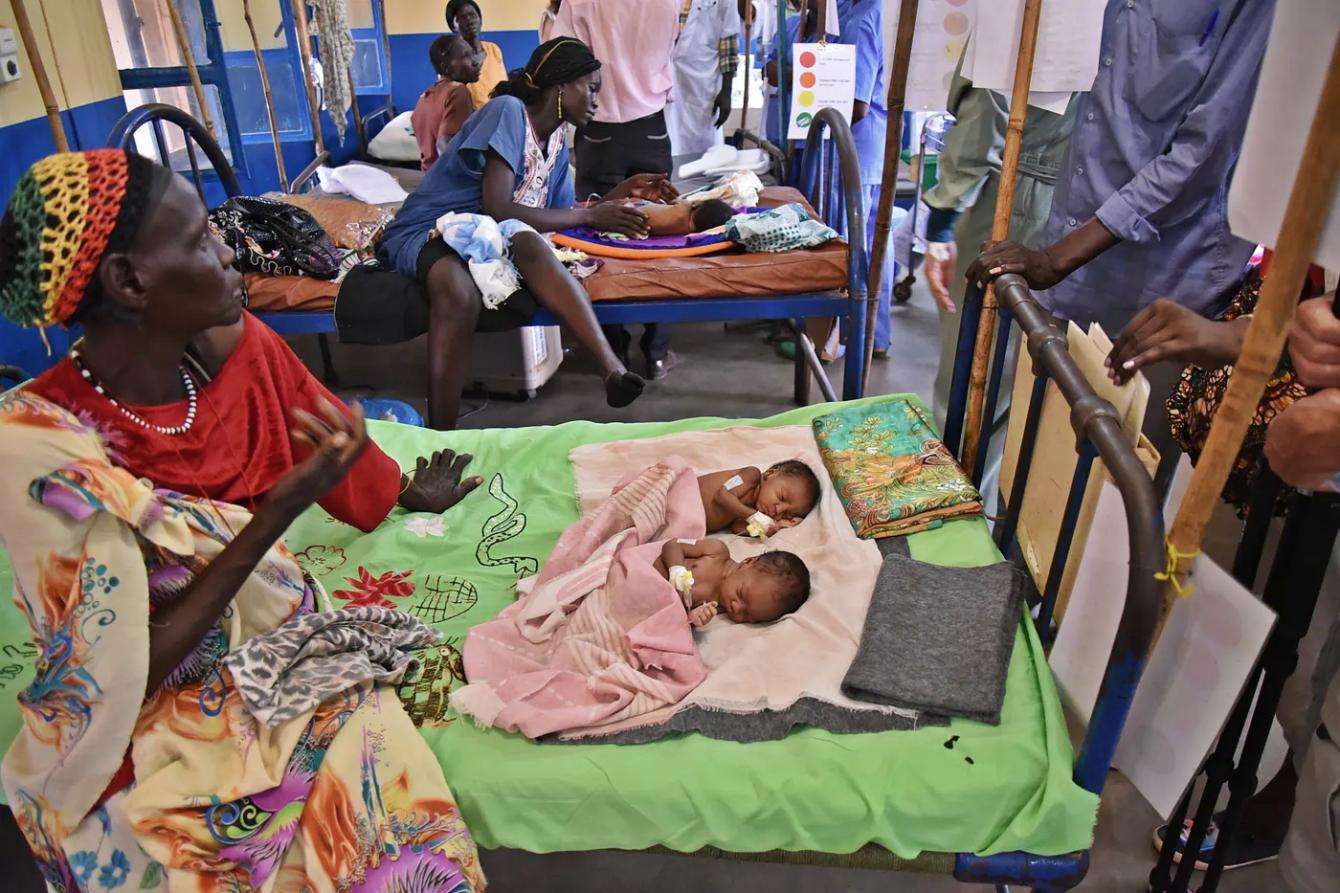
[
  {"x": 305, "y": 55},
  {"x": 358, "y": 114},
  {"x": 1304, "y": 216},
  {"x": 749, "y": 64},
  {"x": 40, "y": 75},
  {"x": 386, "y": 55},
  {"x": 188, "y": 57},
  {"x": 888, "y": 181},
  {"x": 269, "y": 97},
  {"x": 1000, "y": 228}
]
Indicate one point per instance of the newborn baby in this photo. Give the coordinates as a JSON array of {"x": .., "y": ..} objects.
[
  {"x": 767, "y": 501},
  {"x": 682, "y": 218},
  {"x": 757, "y": 590}
]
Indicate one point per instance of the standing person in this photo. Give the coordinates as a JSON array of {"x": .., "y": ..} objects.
[
  {"x": 862, "y": 26},
  {"x": 465, "y": 18},
  {"x": 444, "y": 107},
  {"x": 1138, "y": 212},
  {"x": 547, "y": 19},
  {"x": 962, "y": 209},
  {"x": 629, "y": 136},
  {"x": 706, "y": 58}
]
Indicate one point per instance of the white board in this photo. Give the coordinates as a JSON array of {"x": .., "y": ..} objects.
[
  {"x": 823, "y": 75},
  {"x": 1301, "y": 41}
]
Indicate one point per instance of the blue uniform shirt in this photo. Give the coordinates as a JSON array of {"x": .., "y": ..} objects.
[
  {"x": 455, "y": 181},
  {"x": 1152, "y": 154}
]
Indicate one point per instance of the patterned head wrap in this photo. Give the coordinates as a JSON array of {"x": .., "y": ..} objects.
[{"x": 67, "y": 211}]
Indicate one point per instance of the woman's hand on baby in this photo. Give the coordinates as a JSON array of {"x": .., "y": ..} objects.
[
  {"x": 652, "y": 187},
  {"x": 335, "y": 441},
  {"x": 436, "y": 483},
  {"x": 703, "y": 614},
  {"x": 611, "y": 217}
]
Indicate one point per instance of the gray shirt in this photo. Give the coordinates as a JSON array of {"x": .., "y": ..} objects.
[{"x": 1152, "y": 154}]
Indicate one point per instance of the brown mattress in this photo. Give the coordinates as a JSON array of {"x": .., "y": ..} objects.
[{"x": 734, "y": 273}]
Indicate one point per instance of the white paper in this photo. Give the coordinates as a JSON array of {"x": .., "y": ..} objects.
[
  {"x": 822, "y": 76},
  {"x": 1301, "y": 41},
  {"x": 941, "y": 34},
  {"x": 1066, "y": 59}
]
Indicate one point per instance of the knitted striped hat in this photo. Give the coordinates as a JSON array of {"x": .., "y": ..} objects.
[{"x": 67, "y": 211}]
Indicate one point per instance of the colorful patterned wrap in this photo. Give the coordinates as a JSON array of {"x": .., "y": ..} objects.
[
  {"x": 892, "y": 473},
  {"x": 65, "y": 213}
]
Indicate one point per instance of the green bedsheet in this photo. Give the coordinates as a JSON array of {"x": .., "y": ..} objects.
[{"x": 814, "y": 790}]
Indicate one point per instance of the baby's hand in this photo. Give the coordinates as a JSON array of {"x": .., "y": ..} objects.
[
  {"x": 787, "y": 523},
  {"x": 701, "y": 615}
]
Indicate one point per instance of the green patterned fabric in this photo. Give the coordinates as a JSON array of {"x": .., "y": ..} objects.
[
  {"x": 892, "y": 473},
  {"x": 988, "y": 790}
]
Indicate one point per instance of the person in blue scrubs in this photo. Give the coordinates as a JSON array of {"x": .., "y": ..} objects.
[{"x": 862, "y": 26}]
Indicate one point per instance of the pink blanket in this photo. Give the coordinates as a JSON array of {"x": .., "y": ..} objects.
[{"x": 598, "y": 636}]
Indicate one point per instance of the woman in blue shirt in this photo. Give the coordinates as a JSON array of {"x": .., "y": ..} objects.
[{"x": 510, "y": 162}]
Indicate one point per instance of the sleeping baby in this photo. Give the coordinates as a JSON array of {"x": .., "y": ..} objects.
[
  {"x": 759, "y": 503},
  {"x": 757, "y": 590},
  {"x": 682, "y": 218}
]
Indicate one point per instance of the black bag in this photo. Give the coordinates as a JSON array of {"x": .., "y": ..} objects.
[{"x": 275, "y": 238}]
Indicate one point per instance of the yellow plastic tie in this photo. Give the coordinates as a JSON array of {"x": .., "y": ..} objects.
[{"x": 1169, "y": 573}]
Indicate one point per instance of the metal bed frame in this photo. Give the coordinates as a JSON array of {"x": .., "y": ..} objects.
[
  {"x": 794, "y": 308},
  {"x": 1098, "y": 434}
]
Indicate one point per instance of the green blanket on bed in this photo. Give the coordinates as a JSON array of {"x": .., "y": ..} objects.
[{"x": 988, "y": 789}]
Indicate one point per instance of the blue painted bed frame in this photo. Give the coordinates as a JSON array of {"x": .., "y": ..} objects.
[{"x": 1097, "y": 428}]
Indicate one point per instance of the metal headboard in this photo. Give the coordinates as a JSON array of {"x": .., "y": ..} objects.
[{"x": 156, "y": 115}]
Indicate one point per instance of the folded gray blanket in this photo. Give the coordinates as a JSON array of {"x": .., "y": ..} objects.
[
  {"x": 938, "y": 639},
  {"x": 312, "y": 658}
]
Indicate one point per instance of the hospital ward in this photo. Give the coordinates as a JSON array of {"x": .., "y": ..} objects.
[{"x": 669, "y": 445}]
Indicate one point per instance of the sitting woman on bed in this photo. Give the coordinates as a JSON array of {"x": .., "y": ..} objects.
[
  {"x": 510, "y": 162},
  {"x": 147, "y": 481},
  {"x": 444, "y": 107}
]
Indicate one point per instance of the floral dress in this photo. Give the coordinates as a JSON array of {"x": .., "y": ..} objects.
[{"x": 185, "y": 790}]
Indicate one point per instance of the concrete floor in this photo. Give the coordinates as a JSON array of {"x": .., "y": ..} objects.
[{"x": 733, "y": 374}]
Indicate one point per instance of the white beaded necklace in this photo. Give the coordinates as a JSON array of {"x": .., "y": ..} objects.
[{"x": 172, "y": 431}]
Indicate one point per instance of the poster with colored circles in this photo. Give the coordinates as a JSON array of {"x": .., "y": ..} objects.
[{"x": 823, "y": 75}]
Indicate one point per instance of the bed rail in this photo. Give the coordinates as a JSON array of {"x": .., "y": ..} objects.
[
  {"x": 154, "y": 115},
  {"x": 1098, "y": 433}
]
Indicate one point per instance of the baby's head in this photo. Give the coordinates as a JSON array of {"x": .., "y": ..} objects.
[
  {"x": 453, "y": 59},
  {"x": 710, "y": 215},
  {"x": 788, "y": 491},
  {"x": 764, "y": 588}
]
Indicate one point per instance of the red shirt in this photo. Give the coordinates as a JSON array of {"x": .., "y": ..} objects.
[
  {"x": 239, "y": 446},
  {"x": 438, "y": 116}
]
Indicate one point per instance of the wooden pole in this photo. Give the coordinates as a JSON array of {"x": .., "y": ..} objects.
[
  {"x": 305, "y": 54},
  {"x": 386, "y": 55},
  {"x": 40, "y": 75},
  {"x": 749, "y": 64},
  {"x": 188, "y": 57},
  {"x": 1304, "y": 216},
  {"x": 358, "y": 114},
  {"x": 888, "y": 181},
  {"x": 269, "y": 97},
  {"x": 973, "y": 423}
]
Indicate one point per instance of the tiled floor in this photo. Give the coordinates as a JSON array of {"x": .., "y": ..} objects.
[{"x": 734, "y": 374}]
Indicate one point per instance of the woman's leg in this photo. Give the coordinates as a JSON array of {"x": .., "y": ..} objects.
[
  {"x": 453, "y": 309},
  {"x": 555, "y": 289}
]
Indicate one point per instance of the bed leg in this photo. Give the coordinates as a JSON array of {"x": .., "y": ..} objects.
[
  {"x": 328, "y": 372},
  {"x": 802, "y": 387}
]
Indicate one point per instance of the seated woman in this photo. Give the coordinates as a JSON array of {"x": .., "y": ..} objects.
[
  {"x": 446, "y": 105},
  {"x": 147, "y": 481},
  {"x": 510, "y": 162}
]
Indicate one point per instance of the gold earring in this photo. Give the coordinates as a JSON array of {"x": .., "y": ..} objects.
[{"x": 560, "y": 106}]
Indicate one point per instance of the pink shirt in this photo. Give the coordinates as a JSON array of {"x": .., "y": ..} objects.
[{"x": 634, "y": 42}]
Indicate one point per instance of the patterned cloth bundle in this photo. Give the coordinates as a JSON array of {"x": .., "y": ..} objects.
[
  {"x": 786, "y": 228},
  {"x": 892, "y": 474}
]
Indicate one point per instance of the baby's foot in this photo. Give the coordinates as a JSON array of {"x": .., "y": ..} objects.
[{"x": 623, "y": 387}]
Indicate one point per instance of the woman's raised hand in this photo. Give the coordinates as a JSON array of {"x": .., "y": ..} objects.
[
  {"x": 335, "y": 440},
  {"x": 609, "y": 217}
]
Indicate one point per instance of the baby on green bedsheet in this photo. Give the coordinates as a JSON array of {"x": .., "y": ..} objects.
[
  {"x": 759, "y": 503},
  {"x": 761, "y": 589}
]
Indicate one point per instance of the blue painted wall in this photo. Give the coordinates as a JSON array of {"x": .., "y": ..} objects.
[{"x": 412, "y": 73}]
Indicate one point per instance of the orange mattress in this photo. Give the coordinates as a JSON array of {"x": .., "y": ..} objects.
[{"x": 734, "y": 273}]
